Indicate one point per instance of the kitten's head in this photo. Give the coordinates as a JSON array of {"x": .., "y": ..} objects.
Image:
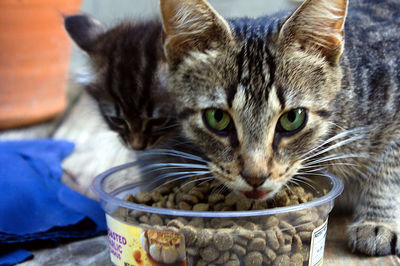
[
  {"x": 255, "y": 95},
  {"x": 129, "y": 81}
]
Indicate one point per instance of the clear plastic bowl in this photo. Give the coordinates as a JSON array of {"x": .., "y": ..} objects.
[{"x": 143, "y": 235}]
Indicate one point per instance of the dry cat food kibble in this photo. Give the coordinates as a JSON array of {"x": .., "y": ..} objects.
[
  {"x": 280, "y": 239},
  {"x": 213, "y": 197}
]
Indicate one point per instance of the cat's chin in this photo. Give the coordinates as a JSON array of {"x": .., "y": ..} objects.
[{"x": 255, "y": 194}]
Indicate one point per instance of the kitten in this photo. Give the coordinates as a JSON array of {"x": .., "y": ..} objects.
[
  {"x": 129, "y": 81},
  {"x": 271, "y": 99}
]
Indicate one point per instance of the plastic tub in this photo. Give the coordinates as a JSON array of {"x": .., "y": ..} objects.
[{"x": 143, "y": 235}]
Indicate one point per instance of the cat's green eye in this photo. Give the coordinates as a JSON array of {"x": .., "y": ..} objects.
[
  {"x": 217, "y": 119},
  {"x": 292, "y": 120}
]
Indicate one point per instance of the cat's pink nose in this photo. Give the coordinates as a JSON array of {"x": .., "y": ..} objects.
[{"x": 254, "y": 181}]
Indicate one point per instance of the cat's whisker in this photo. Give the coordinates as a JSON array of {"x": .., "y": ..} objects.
[
  {"x": 164, "y": 128},
  {"x": 175, "y": 153},
  {"x": 336, "y": 137},
  {"x": 177, "y": 174},
  {"x": 288, "y": 187},
  {"x": 218, "y": 189},
  {"x": 186, "y": 176},
  {"x": 304, "y": 181},
  {"x": 203, "y": 179},
  {"x": 293, "y": 182},
  {"x": 155, "y": 167},
  {"x": 336, "y": 125},
  {"x": 314, "y": 170},
  {"x": 334, "y": 146},
  {"x": 298, "y": 177},
  {"x": 174, "y": 165},
  {"x": 211, "y": 178},
  {"x": 325, "y": 166},
  {"x": 223, "y": 188},
  {"x": 308, "y": 173},
  {"x": 334, "y": 157}
]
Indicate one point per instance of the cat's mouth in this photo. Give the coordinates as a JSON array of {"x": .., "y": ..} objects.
[{"x": 255, "y": 194}]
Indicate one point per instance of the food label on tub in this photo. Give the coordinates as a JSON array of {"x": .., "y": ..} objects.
[
  {"x": 318, "y": 244},
  {"x": 133, "y": 245}
]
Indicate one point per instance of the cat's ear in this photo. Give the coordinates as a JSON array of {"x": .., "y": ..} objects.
[
  {"x": 317, "y": 26},
  {"x": 191, "y": 25},
  {"x": 83, "y": 30}
]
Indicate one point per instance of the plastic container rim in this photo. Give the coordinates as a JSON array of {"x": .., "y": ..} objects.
[{"x": 98, "y": 181}]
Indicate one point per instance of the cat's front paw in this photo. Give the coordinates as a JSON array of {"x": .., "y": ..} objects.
[{"x": 374, "y": 239}]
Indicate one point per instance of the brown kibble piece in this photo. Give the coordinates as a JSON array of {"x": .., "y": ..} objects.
[
  {"x": 305, "y": 235},
  {"x": 192, "y": 251},
  {"x": 297, "y": 244},
  {"x": 270, "y": 254},
  {"x": 204, "y": 237},
  {"x": 224, "y": 257},
  {"x": 231, "y": 199},
  {"x": 279, "y": 236},
  {"x": 184, "y": 206},
  {"x": 256, "y": 244},
  {"x": 142, "y": 197},
  {"x": 209, "y": 253},
  {"x": 175, "y": 223},
  {"x": 201, "y": 207},
  {"x": 232, "y": 263},
  {"x": 197, "y": 222},
  {"x": 239, "y": 250},
  {"x": 241, "y": 240},
  {"x": 296, "y": 260},
  {"x": 197, "y": 193},
  {"x": 272, "y": 240},
  {"x": 271, "y": 222},
  {"x": 190, "y": 234},
  {"x": 215, "y": 197},
  {"x": 156, "y": 196},
  {"x": 223, "y": 240},
  {"x": 254, "y": 258},
  {"x": 243, "y": 205},
  {"x": 306, "y": 227},
  {"x": 129, "y": 197},
  {"x": 191, "y": 199},
  {"x": 281, "y": 260},
  {"x": 144, "y": 219},
  {"x": 287, "y": 227},
  {"x": 284, "y": 249},
  {"x": 155, "y": 219},
  {"x": 302, "y": 220}
]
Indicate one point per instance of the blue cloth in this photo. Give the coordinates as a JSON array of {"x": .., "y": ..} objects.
[
  {"x": 34, "y": 204},
  {"x": 14, "y": 256}
]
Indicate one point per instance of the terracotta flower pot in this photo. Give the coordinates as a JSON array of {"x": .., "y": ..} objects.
[{"x": 34, "y": 59}]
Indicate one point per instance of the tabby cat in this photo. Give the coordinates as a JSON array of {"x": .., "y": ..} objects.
[{"x": 267, "y": 100}]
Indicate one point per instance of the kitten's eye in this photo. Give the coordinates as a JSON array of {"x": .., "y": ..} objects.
[
  {"x": 218, "y": 120},
  {"x": 292, "y": 121},
  {"x": 117, "y": 122}
]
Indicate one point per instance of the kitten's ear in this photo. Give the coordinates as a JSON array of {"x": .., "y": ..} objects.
[
  {"x": 317, "y": 26},
  {"x": 84, "y": 30},
  {"x": 191, "y": 25}
]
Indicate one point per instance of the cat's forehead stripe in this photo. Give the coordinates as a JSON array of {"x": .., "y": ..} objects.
[{"x": 281, "y": 97}]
